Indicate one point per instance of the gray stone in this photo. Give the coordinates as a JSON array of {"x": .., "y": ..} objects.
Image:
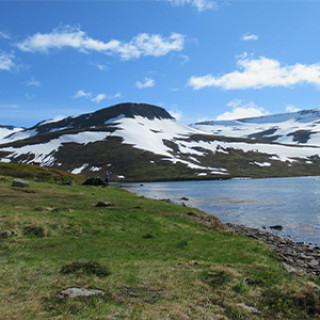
[
  {"x": 252, "y": 310},
  {"x": 103, "y": 204},
  {"x": 313, "y": 263},
  {"x": 6, "y": 234},
  {"x": 296, "y": 256},
  {"x": 79, "y": 292},
  {"x": 276, "y": 227},
  {"x": 20, "y": 183}
]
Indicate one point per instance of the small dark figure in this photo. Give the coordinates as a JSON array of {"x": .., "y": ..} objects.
[{"x": 107, "y": 178}]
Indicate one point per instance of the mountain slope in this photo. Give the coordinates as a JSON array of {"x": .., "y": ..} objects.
[
  {"x": 143, "y": 142},
  {"x": 301, "y": 127},
  {"x": 8, "y": 130}
]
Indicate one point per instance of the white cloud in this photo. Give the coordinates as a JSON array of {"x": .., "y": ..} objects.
[
  {"x": 102, "y": 67},
  {"x": 141, "y": 45},
  {"x": 242, "y": 110},
  {"x": 99, "y": 98},
  {"x": 249, "y": 37},
  {"x": 260, "y": 73},
  {"x": 176, "y": 114},
  {"x": 184, "y": 59},
  {"x": 116, "y": 96},
  {"x": 4, "y": 35},
  {"x": 33, "y": 83},
  {"x": 292, "y": 108},
  {"x": 201, "y": 5},
  {"x": 82, "y": 94},
  {"x": 6, "y": 61},
  {"x": 148, "y": 83}
]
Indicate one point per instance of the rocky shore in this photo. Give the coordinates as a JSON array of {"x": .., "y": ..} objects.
[{"x": 295, "y": 256}]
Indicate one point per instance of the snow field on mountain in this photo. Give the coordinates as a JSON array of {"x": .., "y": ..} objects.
[
  {"x": 4, "y": 132},
  {"x": 43, "y": 151},
  {"x": 147, "y": 134},
  {"x": 283, "y": 125}
]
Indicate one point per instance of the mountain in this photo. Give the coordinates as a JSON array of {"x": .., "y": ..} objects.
[
  {"x": 144, "y": 142},
  {"x": 302, "y": 127},
  {"x": 6, "y": 130}
]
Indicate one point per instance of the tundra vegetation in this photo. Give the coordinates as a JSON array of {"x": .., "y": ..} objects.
[{"x": 151, "y": 259}]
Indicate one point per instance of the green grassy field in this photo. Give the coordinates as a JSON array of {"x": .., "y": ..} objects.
[{"x": 154, "y": 260}]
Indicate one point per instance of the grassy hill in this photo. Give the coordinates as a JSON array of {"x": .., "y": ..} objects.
[{"x": 153, "y": 259}]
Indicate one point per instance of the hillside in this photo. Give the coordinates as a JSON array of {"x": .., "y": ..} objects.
[
  {"x": 143, "y": 142},
  {"x": 148, "y": 260},
  {"x": 302, "y": 127},
  {"x": 8, "y": 130}
]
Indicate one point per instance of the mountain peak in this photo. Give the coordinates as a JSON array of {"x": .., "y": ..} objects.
[
  {"x": 101, "y": 117},
  {"x": 135, "y": 109}
]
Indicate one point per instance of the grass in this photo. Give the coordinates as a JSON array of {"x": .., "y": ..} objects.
[{"x": 153, "y": 259}]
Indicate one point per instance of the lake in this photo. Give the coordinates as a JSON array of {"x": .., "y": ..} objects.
[{"x": 293, "y": 203}]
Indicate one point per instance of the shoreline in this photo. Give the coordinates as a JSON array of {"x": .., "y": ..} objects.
[{"x": 296, "y": 257}]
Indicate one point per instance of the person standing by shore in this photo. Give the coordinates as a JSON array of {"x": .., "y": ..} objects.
[{"x": 107, "y": 178}]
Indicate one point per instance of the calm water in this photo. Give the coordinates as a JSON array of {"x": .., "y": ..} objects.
[{"x": 292, "y": 202}]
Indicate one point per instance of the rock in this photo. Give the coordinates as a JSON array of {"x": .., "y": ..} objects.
[
  {"x": 313, "y": 263},
  {"x": 20, "y": 183},
  {"x": 6, "y": 234},
  {"x": 296, "y": 257},
  {"x": 184, "y": 198},
  {"x": 79, "y": 292},
  {"x": 102, "y": 204},
  {"x": 290, "y": 268},
  {"x": 94, "y": 181},
  {"x": 276, "y": 227},
  {"x": 252, "y": 310}
]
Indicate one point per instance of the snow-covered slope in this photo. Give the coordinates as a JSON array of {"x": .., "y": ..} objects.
[
  {"x": 8, "y": 130},
  {"x": 301, "y": 127},
  {"x": 135, "y": 139}
]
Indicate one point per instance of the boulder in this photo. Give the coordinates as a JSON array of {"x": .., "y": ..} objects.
[
  {"x": 94, "y": 181},
  {"x": 276, "y": 227},
  {"x": 6, "y": 234},
  {"x": 79, "y": 292},
  {"x": 102, "y": 204},
  {"x": 250, "y": 309},
  {"x": 20, "y": 183}
]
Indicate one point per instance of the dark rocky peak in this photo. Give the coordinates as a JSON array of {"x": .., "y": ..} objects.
[
  {"x": 100, "y": 117},
  {"x": 8, "y": 127}
]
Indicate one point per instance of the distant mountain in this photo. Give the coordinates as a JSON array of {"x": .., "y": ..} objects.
[
  {"x": 144, "y": 142},
  {"x": 6, "y": 130},
  {"x": 302, "y": 127}
]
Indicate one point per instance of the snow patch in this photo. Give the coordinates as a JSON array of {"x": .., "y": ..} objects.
[
  {"x": 54, "y": 120},
  {"x": 116, "y": 119},
  {"x": 263, "y": 164},
  {"x": 80, "y": 169},
  {"x": 94, "y": 169}
]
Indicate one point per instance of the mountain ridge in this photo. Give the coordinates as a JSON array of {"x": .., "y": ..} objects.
[
  {"x": 144, "y": 142},
  {"x": 301, "y": 127}
]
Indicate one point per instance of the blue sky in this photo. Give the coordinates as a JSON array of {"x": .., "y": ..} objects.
[{"x": 199, "y": 59}]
